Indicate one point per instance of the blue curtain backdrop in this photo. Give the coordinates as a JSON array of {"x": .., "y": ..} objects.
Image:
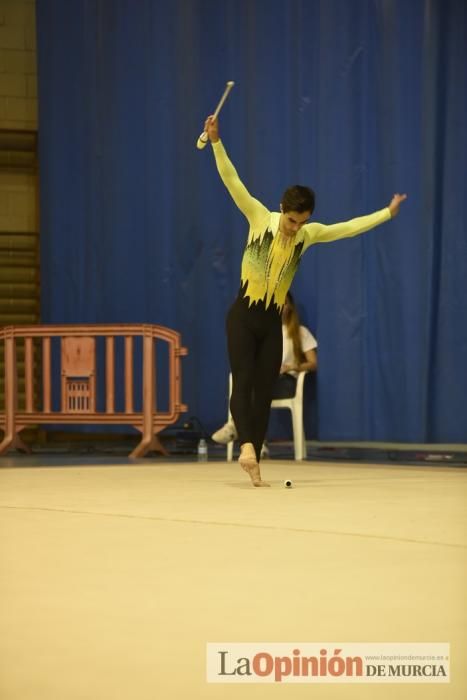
[{"x": 358, "y": 99}]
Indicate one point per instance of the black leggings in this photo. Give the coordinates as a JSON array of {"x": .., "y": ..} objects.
[{"x": 254, "y": 340}]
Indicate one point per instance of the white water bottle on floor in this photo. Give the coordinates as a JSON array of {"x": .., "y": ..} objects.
[{"x": 202, "y": 450}]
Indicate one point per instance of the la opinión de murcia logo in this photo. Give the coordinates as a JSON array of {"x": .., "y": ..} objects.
[{"x": 349, "y": 662}]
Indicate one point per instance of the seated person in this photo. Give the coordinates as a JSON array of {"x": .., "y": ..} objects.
[{"x": 298, "y": 355}]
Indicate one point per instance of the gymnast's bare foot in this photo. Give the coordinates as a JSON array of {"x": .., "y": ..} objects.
[{"x": 248, "y": 462}]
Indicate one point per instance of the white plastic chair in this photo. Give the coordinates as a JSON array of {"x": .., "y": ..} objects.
[{"x": 295, "y": 406}]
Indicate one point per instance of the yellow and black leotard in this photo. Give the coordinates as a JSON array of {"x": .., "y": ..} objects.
[{"x": 270, "y": 262}]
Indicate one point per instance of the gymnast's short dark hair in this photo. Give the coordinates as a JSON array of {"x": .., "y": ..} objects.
[{"x": 298, "y": 198}]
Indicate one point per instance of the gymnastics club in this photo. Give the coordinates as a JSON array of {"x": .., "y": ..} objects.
[{"x": 204, "y": 138}]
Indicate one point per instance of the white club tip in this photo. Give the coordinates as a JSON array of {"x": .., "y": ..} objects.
[
  {"x": 202, "y": 141},
  {"x": 230, "y": 83}
]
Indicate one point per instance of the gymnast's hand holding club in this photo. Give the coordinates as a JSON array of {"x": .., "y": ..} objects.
[{"x": 211, "y": 128}]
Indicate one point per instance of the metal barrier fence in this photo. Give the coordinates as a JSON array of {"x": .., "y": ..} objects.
[{"x": 59, "y": 365}]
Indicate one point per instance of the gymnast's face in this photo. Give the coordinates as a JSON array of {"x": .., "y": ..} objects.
[{"x": 292, "y": 221}]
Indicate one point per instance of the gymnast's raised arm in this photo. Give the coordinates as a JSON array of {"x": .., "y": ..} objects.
[{"x": 254, "y": 211}]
